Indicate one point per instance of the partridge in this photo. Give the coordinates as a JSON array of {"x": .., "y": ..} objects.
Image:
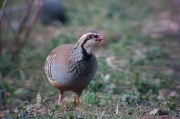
[
  {"x": 53, "y": 10},
  {"x": 71, "y": 67}
]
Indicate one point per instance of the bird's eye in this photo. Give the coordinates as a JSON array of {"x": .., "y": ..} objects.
[{"x": 91, "y": 36}]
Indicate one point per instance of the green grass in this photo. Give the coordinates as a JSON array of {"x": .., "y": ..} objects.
[{"x": 143, "y": 75}]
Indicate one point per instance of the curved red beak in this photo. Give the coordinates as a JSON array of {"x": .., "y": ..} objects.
[{"x": 100, "y": 38}]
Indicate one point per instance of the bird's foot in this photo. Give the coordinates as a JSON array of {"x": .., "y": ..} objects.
[{"x": 76, "y": 104}]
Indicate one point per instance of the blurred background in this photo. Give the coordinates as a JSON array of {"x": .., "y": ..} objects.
[{"x": 141, "y": 52}]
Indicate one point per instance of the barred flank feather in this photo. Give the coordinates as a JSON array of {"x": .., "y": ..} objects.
[{"x": 48, "y": 65}]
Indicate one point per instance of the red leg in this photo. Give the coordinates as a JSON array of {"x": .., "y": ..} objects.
[
  {"x": 60, "y": 96},
  {"x": 78, "y": 94}
]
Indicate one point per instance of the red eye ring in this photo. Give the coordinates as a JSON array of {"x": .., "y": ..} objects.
[{"x": 91, "y": 36}]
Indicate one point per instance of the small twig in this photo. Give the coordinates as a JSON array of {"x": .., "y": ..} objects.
[
  {"x": 16, "y": 42},
  {"x": 25, "y": 18},
  {"x": 117, "y": 108},
  {"x": 2, "y": 11},
  {"x": 35, "y": 17},
  {"x": 32, "y": 23},
  {"x": 21, "y": 41}
]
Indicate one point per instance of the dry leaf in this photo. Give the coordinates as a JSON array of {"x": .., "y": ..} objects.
[{"x": 153, "y": 112}]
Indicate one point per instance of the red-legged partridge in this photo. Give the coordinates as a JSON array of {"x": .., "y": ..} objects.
[{"x": 72, "y": 66}]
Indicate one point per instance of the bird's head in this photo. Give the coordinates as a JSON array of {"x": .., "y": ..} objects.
[{"x": 88, "y": 39}]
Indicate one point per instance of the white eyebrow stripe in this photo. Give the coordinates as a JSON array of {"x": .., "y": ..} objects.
[{"x": 84, "y": 35}]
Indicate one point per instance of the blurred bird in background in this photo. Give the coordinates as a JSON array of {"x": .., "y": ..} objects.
[{"x": 53, "y": 11}]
